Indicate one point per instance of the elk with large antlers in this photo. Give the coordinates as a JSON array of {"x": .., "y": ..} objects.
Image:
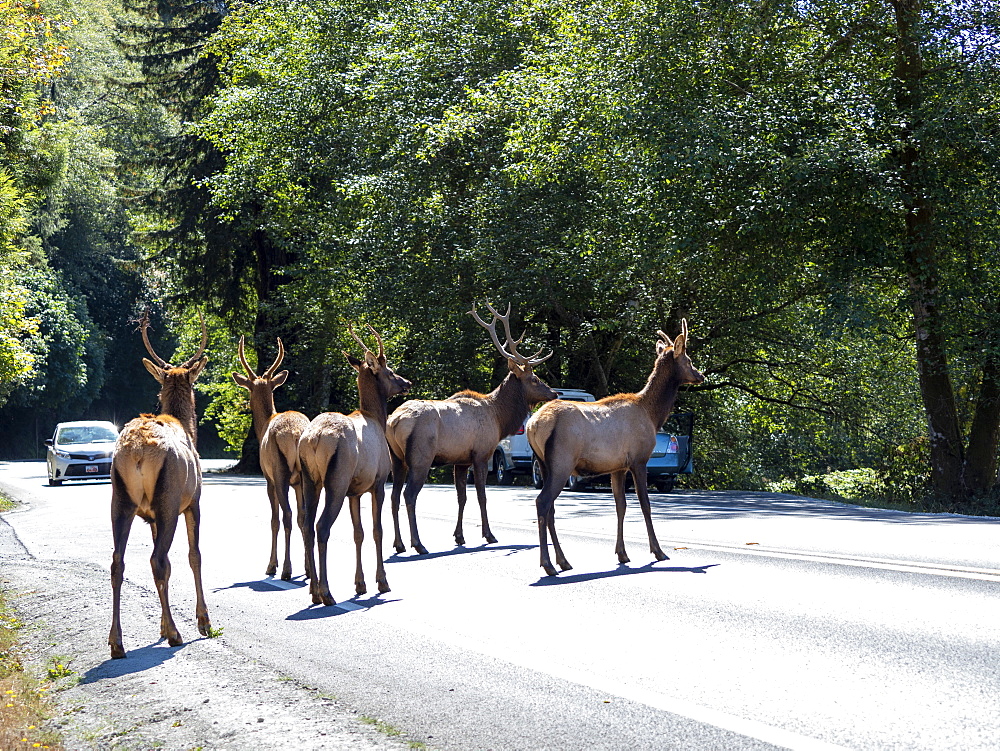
[
  {"x": 614, "y": 435},
  {"x": 463, "y": 431},
  {"x": 347, "y": 456},
  {"x": 278, "y": 434},
  {"x": 156, "y": 475}
]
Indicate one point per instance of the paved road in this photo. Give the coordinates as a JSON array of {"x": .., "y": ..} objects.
[{"x": 777, "y": 622}]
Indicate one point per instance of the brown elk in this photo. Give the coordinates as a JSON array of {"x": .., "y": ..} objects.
[
  {"x": 463, "y": 431},
  {"x": 347, "y": 456},
  {"x": 614, "y": 435},
  {"x": 278, "y": 434},
  {"x": 156, "y": 475}
]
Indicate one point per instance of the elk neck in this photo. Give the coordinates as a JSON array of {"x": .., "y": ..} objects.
[
  {"x": 371, "y": 399},
  {"x": 509, "y": 404},
  {"x": 660, "y": 392},
  {"x": 177, "y": 400},
  {"x": 262, "y": 409}
]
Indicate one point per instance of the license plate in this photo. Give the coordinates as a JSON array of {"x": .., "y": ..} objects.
[{"x": 92, "y": 469}]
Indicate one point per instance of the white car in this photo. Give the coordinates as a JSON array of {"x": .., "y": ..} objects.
[{"x": 81, "y": 450}]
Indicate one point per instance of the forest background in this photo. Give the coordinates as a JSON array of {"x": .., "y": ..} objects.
[{"x": 813, "y": 185}]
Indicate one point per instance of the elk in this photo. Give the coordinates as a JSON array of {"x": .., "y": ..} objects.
[
  {"x": 614, "y": 435},
  {"x": 462, "y": 430},
  {"x": 278, "y": 435},
  {"x": 156, "y": 475},
  {"x": 347, "y": 456}
]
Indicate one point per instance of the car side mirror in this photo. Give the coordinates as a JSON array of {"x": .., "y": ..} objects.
[{"x": 48, "y": 441}]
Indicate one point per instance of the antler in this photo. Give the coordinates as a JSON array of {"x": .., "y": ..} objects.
[
  {"x": 512, "y": 343},
  {"x": 144, "y": 326},
  {"x": 378, "y": 338},
  {"x": 243, "y": 359}
]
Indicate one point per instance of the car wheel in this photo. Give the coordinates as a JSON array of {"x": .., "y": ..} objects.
[
  {"x": 503, "y": 474},
  {"x": 665, "y": 485},
  {"x": 54, "y": 482},
  {"x": 575, "y": 483},
  {"x": 537, "y": 478}
]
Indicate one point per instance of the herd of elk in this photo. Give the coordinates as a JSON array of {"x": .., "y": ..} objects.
[
  {"x": 156, "y": 472},
  {"x": 156, "y": 475},
  {"x": 614, "y": 435},
  {"x": 347, "y": 456},
  {"x": 462, "y": 430}
]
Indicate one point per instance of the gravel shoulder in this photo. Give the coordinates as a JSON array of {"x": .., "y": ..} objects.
[{"x": 202, "y": 695}]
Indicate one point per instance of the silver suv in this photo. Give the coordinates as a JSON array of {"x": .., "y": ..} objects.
[{"x": 513, "y": 454}]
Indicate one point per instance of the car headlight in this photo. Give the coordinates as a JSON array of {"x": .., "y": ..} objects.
[{"x": 60, "y": 453}]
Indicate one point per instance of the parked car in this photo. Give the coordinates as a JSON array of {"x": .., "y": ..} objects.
[
  {"x": 80, "y": 450},
  {"x": 514, "y": 456}
]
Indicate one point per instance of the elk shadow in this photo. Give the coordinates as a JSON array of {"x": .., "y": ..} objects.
[
  {"x": 344, "y": 607},
  {"x": 458, "y": 550},
  {"x": 135, "y": 661},
  {"x": 622, "y": 570},
  {"x": 267, "y": 585}
]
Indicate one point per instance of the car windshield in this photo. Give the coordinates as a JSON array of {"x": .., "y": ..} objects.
[{"x": 86, "y": 434}]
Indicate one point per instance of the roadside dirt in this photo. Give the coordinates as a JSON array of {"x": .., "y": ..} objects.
[{"x": 202, "y": 695}]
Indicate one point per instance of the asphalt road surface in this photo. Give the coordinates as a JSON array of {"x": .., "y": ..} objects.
[{"x": 778, "y": 621}]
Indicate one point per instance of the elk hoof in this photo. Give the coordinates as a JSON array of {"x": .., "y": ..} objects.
[
  {"x": 117, "y": 651},
  {"x": 490, "y": 538},
  {"x": 550, "y": 570},
  {"x": 660, "y": 555},
  {"x": 400, "y": 547},
  {"x": 622, "y": 558},
  {"x": 175, "y": 640},
  {"x": 460, "y": 539},
  {"x": 360, "y": 588},
  {"x": 204, "y": 626},
  {"x": 420, "y": 549},
  {"x": 383, "y": 587},
  {"x": 271, "y": 570},
  {"x": 564, "y": 565}
]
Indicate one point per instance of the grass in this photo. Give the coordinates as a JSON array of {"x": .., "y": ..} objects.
[
  {"x": 25, "y": 704},
  {"x": 389, "y": 730}
]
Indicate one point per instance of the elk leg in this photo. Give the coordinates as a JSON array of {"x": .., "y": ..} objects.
[
  {"x": 300, "y": 518},
  {"x": 286, "y": 519},
  {"x": 192, "y": 519},
  {"x": 122, "y": 515},
  {"x": 331, "y": 510},
  {"x": 618, "y": 489},
  {"x": 272, "y": 497},
  {"x": 560, "y": 558},
  {"x": 166, "y": 523},
  {"x": 479, "y": 472},
  {"x": 310, "y": 502},
  {"x": 415, "y": 479},
  {"x": 359, "y": 537},
  {"x": 545, "y": 510},
  {"x": 378, "y": 498},
  {"x": 641, "y": 489},
  {"x": 398, "y": 473},
  {"x": 461, "y": 472}
]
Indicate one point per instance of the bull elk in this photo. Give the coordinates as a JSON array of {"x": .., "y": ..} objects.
[
  {"x": 614, "y": 435},
  {"x": 278, "y": 435},
  {"x": 463, "y": 431},
  {"x": 156, "y": 475},
  {"x": 347, "y": 456}
]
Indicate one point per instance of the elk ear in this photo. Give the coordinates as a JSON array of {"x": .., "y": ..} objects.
[
  {"x": 242, "y": 380},
  {"x": 154, "y": 370},
  {"x": 660, "y": 347},
  {"x": 679, "y": 344},
  {"x": 372, "y": 360},
  {"x": 279, "y": 378},
  {"x": 196, "y": 369},
  {"x": 355, "y": 362},
  {"x": 516, "y": 368}
]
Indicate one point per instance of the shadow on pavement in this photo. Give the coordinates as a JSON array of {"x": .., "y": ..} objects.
[
  {"x": 623, "y": 570},
  {"x": 135, "y": 661}
]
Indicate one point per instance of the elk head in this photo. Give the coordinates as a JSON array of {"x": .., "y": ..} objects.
[
  {"x": 174, "y": 376},
  {"x": 683, "y": 369},
  {"x": 374, "y": 367},
  {"x": 535, "y": 390},
  {"x": 268, "y": 379}
]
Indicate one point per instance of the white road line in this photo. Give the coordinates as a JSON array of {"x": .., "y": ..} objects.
[{"x": 282, "y": 584}]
